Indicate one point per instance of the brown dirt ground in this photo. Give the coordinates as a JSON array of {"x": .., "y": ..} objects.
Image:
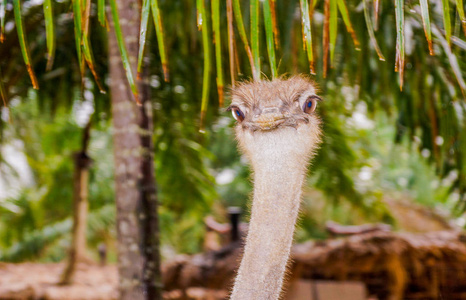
[
  {"x": 92, "y": 282},
  {"x": 40, "y": 281}
]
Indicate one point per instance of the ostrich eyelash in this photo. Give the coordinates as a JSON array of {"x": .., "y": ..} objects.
[
  {"x": 312, "y": 96},
  {"x": 229, "y": 108}
]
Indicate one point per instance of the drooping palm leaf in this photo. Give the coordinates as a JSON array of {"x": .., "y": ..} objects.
[
  {"x": 123, "y": 52},
  {"x": 77, "y": 16},
  {"x": 400, "y": 40},
  {"x": 452, "y": 59},
  {"x": 204, "y": 27},
  {"x": 326, "y": 36},
  {"x": 269, "y": 30},
  {"x": 376, "y": 14},
  {"x": 231, "y": 41},
  {"x": 218, "y": 48},
  {"x": 23, "y": 43},
  {"x": 87, "y": 50},
  {"x": 349, "y": 27},
  {"x": 157, "y": 17},
  {"x": 255, "y": 38},
  {"x": 143, "y": 33},
  {"x": 460, "y": 8},
  {"x": 333, "y": 28},
  {"x": 446, "y": 20},
  {"x": 2, "y": 89},
  {"x": 273, "y": 11},
  {"x": 307, "y": 33},
  {"x": 370, "y": 29},
  {"x": 243, "y": 36},
  {"x": 50, "y": 32},
  {"x": 426, "y": 24},
  {"x": 101, "y": 13},
  {"x": 2, "y": 20}
]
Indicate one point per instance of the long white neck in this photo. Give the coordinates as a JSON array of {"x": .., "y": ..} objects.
[{"x": 277, "y": 192}]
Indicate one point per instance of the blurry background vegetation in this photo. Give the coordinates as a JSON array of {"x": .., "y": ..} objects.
[{"x": 382, "y": 146}]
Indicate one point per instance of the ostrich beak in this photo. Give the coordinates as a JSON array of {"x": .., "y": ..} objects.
[{"x": 269, "y": 121}]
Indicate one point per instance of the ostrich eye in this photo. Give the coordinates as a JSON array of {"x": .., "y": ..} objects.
[
  {"x": 310, "y": 104},
  {"x": 237, "y": 114}
]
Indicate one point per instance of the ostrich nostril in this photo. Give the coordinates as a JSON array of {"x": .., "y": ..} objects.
[{"x": 270, "y": 110}]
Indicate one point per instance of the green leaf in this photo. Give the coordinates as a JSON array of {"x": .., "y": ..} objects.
[
  {"x": 87, "y": 51},
  {"x": 2, "y": 89},
  {"x": 333, "y": 28},
  {"x": 349, "y": 27},
  {"x": 2, "y": 20},
  {"x": 231, "y": 41},
  {"x": 269, "y": 31},
  {"x": 218, "y": 48},
  {"x": 203, "y": 26},
  {"x": 34, "y": 242},
  {"x": 458, "y": 42},
  {"x": 142, "y": 33},
  {"x": 370, "y": 29},
  {"x": 376, "y": 14},
  {"x": 242, "y": 33},
  {"x": 255, "y": 38},
  {"x": 452, "y": 59},
  {"x": 307, "y": 33},
  {"x": 426, "y": 23},
  {"x": 101, "y": 13},
  {"x": 447, "y": 20},
  {"x": 160, "y": 38},
  {"x": 400, "y": 40},
  {"x": 274, "y": 23},
  {"x": 326, "y": 35},
  {"x": 78, "y": 33},
  {"x": 124, "y": 54},
  {"x": 50, "y": 32},
  {"x": 23, "y": 43},
  {"x": 460, "y": 8}
]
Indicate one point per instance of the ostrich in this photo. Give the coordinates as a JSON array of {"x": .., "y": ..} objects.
[{"x": 278, "y": 132}]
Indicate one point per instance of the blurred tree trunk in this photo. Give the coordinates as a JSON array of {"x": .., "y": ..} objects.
[
  {"x": 136, "y": 194},
  {"x": 80, "y": 200}
]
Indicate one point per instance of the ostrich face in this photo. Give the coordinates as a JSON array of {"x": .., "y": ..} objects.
[{"x": 278, "y": 114}]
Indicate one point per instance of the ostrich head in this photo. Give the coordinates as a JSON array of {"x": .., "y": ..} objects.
[{"x": 277, "y": 117}]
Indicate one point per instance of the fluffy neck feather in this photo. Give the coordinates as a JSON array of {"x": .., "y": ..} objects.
[{"x": 279, "y": 161}]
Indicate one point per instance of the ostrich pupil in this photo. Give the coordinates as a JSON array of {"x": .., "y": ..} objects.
[{"x": 309, "y": 104}]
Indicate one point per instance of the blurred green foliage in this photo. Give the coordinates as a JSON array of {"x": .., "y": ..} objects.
[{"x": 403, "y": 139}]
